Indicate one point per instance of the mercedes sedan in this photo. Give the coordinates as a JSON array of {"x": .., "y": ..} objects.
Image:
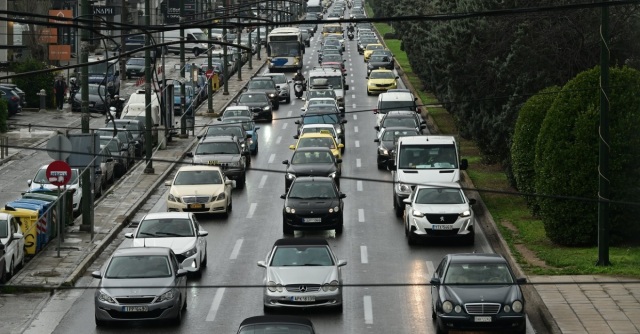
[{"x": 302, "y": 273}]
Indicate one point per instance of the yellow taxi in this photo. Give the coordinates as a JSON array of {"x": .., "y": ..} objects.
[
  {"x": 379, "y": 81},
  {"x": 319, "y": 139},
  {"x": 369, "y": 50}
]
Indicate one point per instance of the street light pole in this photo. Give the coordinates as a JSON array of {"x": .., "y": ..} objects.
[
  {"x": 238, "y": 49},
  {"x": 84, "y": 105},
  {"x": 209, "y": 68},
  {"x": 225, "y": 91},
  {"x": 147, "y": 89}
]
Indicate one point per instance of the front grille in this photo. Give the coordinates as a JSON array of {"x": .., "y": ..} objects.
[
  {"x": 442, "y": 233},
  {"x": 195, "y": 210},
  {"x": 445, "y": 218},
  {"x": 195, "y": 199},
  {"x": 383, "y": 85},
  {"x": 482, "y": 308},
  {"x": 135, "y": 300},
  {"x": 255, "y": 109},
  {"x": 298, "y": 287},
  {"x": 290, "y": 302},
  {"x": 135, "y": 315}
]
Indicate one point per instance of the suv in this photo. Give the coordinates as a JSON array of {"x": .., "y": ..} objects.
[
  {"x": 282, "y": 84},
  {"x": 265, "y": 85},
  {"x": 223, "y": 151},
  {"x": 402, "y": 118},
  {"x": 238, "y": 130},
  {"x": 395, "y": 100}
]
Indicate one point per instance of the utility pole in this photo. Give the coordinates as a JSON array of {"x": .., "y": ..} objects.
[
  {"x": 603, "y": 148},
  {"x": 123, "y": 20},
  {"x": 182, "y": 61},
  {"x": 85, "y": 118},
  {"x": 239, "y": 50},
  {"x": 209, "y": 65},
  {"x": 148, "y": 141},
  {"x": 225, "y": 91}
]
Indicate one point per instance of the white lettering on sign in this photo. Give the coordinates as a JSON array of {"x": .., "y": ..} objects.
[{"x": 58, "y": 173}]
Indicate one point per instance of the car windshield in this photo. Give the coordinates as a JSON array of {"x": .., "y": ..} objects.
[
  {"x": 275, "y": 329},
  {"x": 395, "y": 134},
  {"x": 279, "y": 79},
  {"x": 478, "y": 273},
  {"x": 243, "y": 121},
  {"x": 4, "y": 229},
  {"x": 317, "y": 142},
  {"x": 382, "y": 75},
  {"x": 218, "y": 130},
  {"x": 165, "y": 228},
  {"x": 140, "y": 266},
  {"x": 386, "y": 106},
  {"x": 439, "y": 196},
  {"x": 191, "y": 177},
  {"x": 321, "y": 93},
  {"x": 97, "y": 90},
  {"x": 312, "y": 190},
  {"x": 332, "y": 57},
  {"x": 313, "y": 129},
  {"x": 41, "y": 176},
  {"x": 332, "y": 29},
  {"x": 379, "y": 59},
  {"x": 408, "y": 122},
  {"x": 111, "y": 144},
  {"x": 320, "y": 119},
  {"x": 428, "y": 157},
  {"x": 301, "y": 256},
  {"x": 321, "y": 109},
  {"x": 217, "y": 148},
  {"x": 236, "y": 112},
  {"x": 332, "y": 42},
  {"x": 330, "y": 102},
  {"x": 301, "y": 158},
  {"x": 260, "y": 84},
  {"x": 374, "y": 47},
  {"x": 136, "y": 61},
  {"x": 252, "y": 98}
]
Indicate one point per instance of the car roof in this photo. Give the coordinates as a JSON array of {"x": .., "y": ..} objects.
[
  {"x": 312, "y": 149},
  {"x": 400, "y": 113},
  {"x": 196, "y": 168},
  {"x": 220, "y": 139},
  {"x": 301, "y": 242},
  {"x": 477, "y": 258},
  {"x": 133, "y": 251},
  {"x": 313, "y": 179},
  {"x": 398, "y": 128},
  {"x": 381, "y": 70},
  {"x": 261, "y": 319},
  {"x": 399, "y": 96},
  {"x": 262, "y": 78},
  {"x": 175, "y": 214},
  {"x": 236, "y": 108}
]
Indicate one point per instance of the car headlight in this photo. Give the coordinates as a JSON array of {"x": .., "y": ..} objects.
[
  {"x": 332, "y": 286},
  {"x": 250, "y": 141},
  {"x": 383, "y": 151},
  {"x": 103, "y": 297},
  {"x": 190, "y": 252},
  {"x": 273, "y": 287},
  {"x": 466, "y": 213},
  {"x": 507, "y": 308},
  {"x": 242, "y": 145},
  {"x": 290, "y": 176},
  {"x": 335, "y": 209},
  {"x": 333, "y": 175},
  {"x": 272, "y": 95},
  {"x": 267, "y": 108},
  {"x": 417, "y": 213},
  {"x": 165, "y": 296},
  {"x": 172, "y": 198},
  {"x": 339, "y": 131},
  {"x": 517, "y": 306},
  {"x": 403, "y": 188},
  {"x": 221, "y": 196},
  {"x": 289, "y": 210},
  {"x": 447, "y": 306}
]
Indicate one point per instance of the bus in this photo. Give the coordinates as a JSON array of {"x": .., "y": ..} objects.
[
  {"x": 315, "y": 7},
  {"x": 285, "y": 48}
]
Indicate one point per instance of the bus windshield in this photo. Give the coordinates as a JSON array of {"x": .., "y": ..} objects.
[{"x": 284, "y": 49}]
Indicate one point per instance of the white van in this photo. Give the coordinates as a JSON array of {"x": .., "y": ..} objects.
[
  {"x": 424, "y": 160},
  {"x": 136, "y": 109},
  {"x": 334, "y": 78},
  {"x": 190, "y": 35}
]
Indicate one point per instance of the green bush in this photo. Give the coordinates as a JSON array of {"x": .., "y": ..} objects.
[
  {"x": 566, "y": 161},
  {"x": 32, "y": 84},
  {"x": 4, "y": 115},
  {"x": 524, "y": 139}
]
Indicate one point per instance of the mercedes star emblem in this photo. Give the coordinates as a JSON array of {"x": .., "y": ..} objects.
[{"x": 303, "y": 288}]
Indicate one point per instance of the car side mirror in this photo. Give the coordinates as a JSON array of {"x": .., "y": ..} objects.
[
  {"x": 202, "y": 233},
  {"x": 262, "y": 264},
  {"x": 228, "y": 182},
  {"x": 339, "y": 160},
  {"x": 167, "y": 183},
  {"x": 392, "y": 166},
  {"x": 283, "y": 196},
  {"x": 367, "y": 77},
  {"x": 344, "y": 121},
  {"x": 29, "y": 183},
  {"x": 303, "y": 109},
  {"x": 377, "y": 127},
  {"x": 96, "y": 274},
  {"x": 377, "y": 140},
  {"x": 256, "y": 128},
  {"x": 423, "y": 126},
  {"x": 397, "y": 77},
  {"x": 285, "y": 162},
  {"x": 189, "y": 154},
  {"x": 128, "y": 235},
  {"x": 18, "y": 236},
  {"x": 472, "y": 201},
  {"x": 219, "y": 118},
  {"x": 98, "y": 172},
  {"x": 343, "y": 195},
  {"x": 342, "y": 263},
  {"x": 297, "y": 122},
  {"x": 181, "y": 272},
  {"x": 435, "y": 281},
  {"x": 406, "y": 201},
  {"x": 464, "y": 164},
  {"x": 346, "y": 87},
  {"x": 292, "y": 147}
]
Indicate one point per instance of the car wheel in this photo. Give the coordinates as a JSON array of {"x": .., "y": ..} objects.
[
  {"x": 340, "y": 228},
  {"x": 339, "y": 308},
  {"x": 230, "y": 208},
  {"x": 434, "y": 316},
  {"x": 178, "y": 319},
  {"x": 368, "y": 92},
  {"x": 184, "y": 306},
  {"x": 286, "y": 229},
  {"x": 12, "y": 270},
  {"x": 196, "y": 52},
  {"x": 266, "y": 309},
  {"x": 203, "y": 263},
  {"x": 276, "y": 106},
  {"x": 254, "y": 152},
  {"x": 288, "y": 99},
  {"x": 380, "y": 166},
  {"x": 410, "y": 239},
  {"x": 240, "y": 183},
  {"x": 22, "y": 261},
  {"x": 398, "y": 210},
  {"x": 101, "y": 323},
  {"x": 470, "y": 239},
  {"x": 440, "y": 330}
]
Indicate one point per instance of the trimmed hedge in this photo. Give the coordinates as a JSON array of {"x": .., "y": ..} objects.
[
  {"x": 32, "y": 84},
  {"x": 566, "y": 162},
  {"x": 524, "y": 139}
]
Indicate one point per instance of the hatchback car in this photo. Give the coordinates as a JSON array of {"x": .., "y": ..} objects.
[
  {"x": 141, "y": 283},
  {"x": 312, "y": 161},
  {"x": 200, "y": 189},
  {"x": 135, "y": 67},
  {"x": 179, "y": 231},
  {"x": 313, "y": 203},
  {"x": 12, "y": 240},
  {"x": 477, "y": 292},
  {"x": 439, "y": 211},
  {"x": 381, "y": 80},
  {"x": 302, "y": 273}
]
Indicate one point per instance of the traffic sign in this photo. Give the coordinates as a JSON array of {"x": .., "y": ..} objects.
[
  {"x": 58, "y": 173},
  {"x": 59, "y": 147},
  {"x": 209, "y": 74}
]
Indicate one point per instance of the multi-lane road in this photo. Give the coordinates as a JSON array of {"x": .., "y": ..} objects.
[{"x": 373, "y": 241}]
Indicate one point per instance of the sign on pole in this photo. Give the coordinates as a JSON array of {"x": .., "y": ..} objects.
[{"x": 58, "y": 173}]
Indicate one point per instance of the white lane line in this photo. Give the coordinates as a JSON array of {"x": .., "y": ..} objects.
[
  {"x": 236, "y": 249},
  {"x": 357, "y": 143},
  {"x": 278, "y": 139},
  {"x": 364, "y": 257},
  {"x": 252, "y": 210},
  {"x": 355, "y": 117},
  {"x": 353, "y": 96},
  {"x": 284, "y": 126},
  {"x": 361, "y": 215},
  {"x": 430, "y": 268},
  {"x": 215, "y": 305},
  {"x": 263, "y": 181},
  {"x": 359, "y": 185},
  {"x": 352, "y": 81},
  {"x": 355, "y": 129},
  {"x": 358, "y": 163},
  {"x": 368, "y": 311},
  {"x": 353, "y": 106},
  {"x": 292, "y": 103},
  {"x": 271, "y": 158},
  {"x": 289, "y": 113}
]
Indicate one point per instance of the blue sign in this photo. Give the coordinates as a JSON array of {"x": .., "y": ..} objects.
[{"x": 279, "y": 61}]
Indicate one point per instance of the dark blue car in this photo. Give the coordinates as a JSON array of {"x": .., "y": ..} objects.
[{"x": 12, "y": 98}]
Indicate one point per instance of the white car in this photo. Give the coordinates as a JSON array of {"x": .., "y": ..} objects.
[
  {"x": 321, "y": 101},
  {"x": 202, "y": 189},
  {"x": 439, "y": 211},
  {"x": 13, "y": 241},
  {"x": 179, "y": 231},
  {"x": 40, "y": 181}
]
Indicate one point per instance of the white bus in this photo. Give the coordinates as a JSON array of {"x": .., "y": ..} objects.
[{"x": 285, "y": 48}]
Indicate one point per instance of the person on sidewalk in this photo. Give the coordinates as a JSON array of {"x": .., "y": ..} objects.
[{"x": 59, "y": 89}]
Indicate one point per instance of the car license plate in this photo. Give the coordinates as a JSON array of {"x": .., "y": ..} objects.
[
  {"x": 303, "y": 298},
  {"x": 441, "y": 227},
  {"x": 482, "y": 319},
  {"x": 312, "y": 220},
  {"x": 135, "y": 309},
  {"x": 195, "y": 206}
]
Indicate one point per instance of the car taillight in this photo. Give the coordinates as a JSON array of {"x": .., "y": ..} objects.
[
  {"x": 15, "y": 98},
  {"x": 375, "y": 111}
]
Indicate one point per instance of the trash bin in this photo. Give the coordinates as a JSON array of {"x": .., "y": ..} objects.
[
  {"x": 28, "y": 224},
  {"x": 46, "y": 227}
]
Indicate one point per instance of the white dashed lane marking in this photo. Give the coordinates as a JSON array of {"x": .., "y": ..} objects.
[
  {"x": 215, "y": 305},
  {"x": 368, "y": 310},
  {"x": 236, "y": 249},
  {"x": 252, "y": 210}
]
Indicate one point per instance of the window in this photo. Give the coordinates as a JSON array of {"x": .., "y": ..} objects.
[
  {"x": 428, "y": 157},
  {"x": 165, "y": 228},
  {"x": 142, "y": 266},
  {"x": 439, "y": 196},
  {"x": 4, "y": 229},
  {"x": 197, "y": 177},
  {"x": 217, "y": 148}
]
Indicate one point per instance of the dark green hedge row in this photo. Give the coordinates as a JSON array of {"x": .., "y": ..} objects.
[{"x": 32, "y": 84}]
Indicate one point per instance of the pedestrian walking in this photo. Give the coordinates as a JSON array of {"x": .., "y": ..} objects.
[{"x": 59, "y": 89}]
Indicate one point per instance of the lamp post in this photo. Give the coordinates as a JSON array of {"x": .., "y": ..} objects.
[{"x": 147, "y": 90}]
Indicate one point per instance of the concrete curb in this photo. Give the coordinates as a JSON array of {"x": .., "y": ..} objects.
[
  {"x": 36, "y": 144},
  {"x": 84, "y": 264}
]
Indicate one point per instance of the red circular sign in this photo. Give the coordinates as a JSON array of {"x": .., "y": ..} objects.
[
  {"x": 58, "y": 173},
  {"x": 209, "y": 74}
]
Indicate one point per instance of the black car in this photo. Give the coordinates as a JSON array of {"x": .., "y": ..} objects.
[
  {"x": 223, "y": 151},
  {"x": 12, "y": 98},
  {"x": 135, "y": 67},
  {"x": 234, "y": 129},
  {"x": 276, "y": 324},
  {"x": 318, "y": 114},
  {"x": 259, "y": 103},
  {"x": 387, "y": 142},
  {"x": 312, "y": 161},
  {"x": 137, "y": 129},
  {"x": 264, "y": 84},
  {"x": 99, "y": 99},
  {"x": 379, "y": 61},
  {"x": 312, "y": 203},
  {"x": 477, "y": 292},
  {"x": 402, "y": 118}
]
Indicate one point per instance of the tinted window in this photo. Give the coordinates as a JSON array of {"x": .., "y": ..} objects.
[
  {"x": 427, "y": 157},
  {"x": 478, "y": 273},
  {"x": 165, "y": 228},
  {"x": 312, "y": 190},
  {"x": 301, "y": 256},
  {"x": 252, "y": 98},
  {"x": 192, "y": 177},
  {"x": 4, "y": 229},
  {"x": 439, "y": 196},
  {"x": 143, "y": 266},
  {"x": 217, "y": 148},
  {"x": 395, "y": 134}
]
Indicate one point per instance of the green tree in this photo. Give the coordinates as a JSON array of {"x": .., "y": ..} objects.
[
  {"x": 525, "y": 136},
  {"x": 566, "y": 162},
  {"x": 32, "y": 84}
]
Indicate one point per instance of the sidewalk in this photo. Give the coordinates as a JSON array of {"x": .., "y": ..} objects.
[{"x": 118, "y": 205}]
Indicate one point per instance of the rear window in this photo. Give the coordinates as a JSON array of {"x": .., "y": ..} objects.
[{"x": 386, "y": 106}]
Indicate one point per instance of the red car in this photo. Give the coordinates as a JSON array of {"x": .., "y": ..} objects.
[{"x": 335, "y": 64}]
